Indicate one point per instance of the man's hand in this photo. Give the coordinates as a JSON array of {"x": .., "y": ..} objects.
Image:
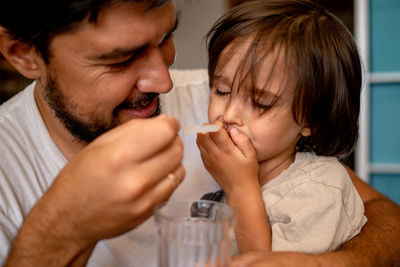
[{"x": 106, "y": 190}]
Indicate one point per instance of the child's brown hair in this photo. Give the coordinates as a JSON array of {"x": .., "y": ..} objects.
[{"x": 319, "y": 54}]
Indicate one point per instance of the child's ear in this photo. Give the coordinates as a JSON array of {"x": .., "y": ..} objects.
[
  {"x": 305, "y": 131},
  {"x": 24, "y": 58}
]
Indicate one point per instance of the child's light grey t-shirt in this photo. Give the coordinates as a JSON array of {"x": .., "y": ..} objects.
[{"x": 313, "y": 206}]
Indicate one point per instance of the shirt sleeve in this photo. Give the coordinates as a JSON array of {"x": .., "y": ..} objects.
[{"x": 312, "y": 218}]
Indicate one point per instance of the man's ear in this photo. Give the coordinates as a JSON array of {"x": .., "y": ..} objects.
[
  {"x": 24, "y": 58},
  {"x": 305, "y": 132}
]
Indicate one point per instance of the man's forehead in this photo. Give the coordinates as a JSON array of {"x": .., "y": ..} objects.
[
  {"x": 154, "y": 3},
  {"x": 149, "y": 4},
  {"x": 126, "y": 26}
]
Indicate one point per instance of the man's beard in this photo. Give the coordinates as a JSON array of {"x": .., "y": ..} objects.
[{"x": 88, "y": 131}]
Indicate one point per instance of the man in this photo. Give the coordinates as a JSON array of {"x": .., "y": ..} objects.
[
  {"x": 94, "y": 70},
  {"x": 97, "y": 65}
]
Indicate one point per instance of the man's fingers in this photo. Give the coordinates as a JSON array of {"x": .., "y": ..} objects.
[
  {"x": 140, "y": 139},
  {"x": 139, "y": 178},
  {"x": 159, "y": 193},
  {"x": 163, "y": 190},
  {"x": 164, "y": 162},
  {"x": 173, "y": 180}
]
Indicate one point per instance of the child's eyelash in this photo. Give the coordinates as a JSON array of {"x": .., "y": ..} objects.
[
  {"x": 221, "y": 93},
  {"x": 262, "y": 107}
]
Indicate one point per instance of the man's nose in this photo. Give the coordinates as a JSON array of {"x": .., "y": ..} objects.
[{"x": 154, "y": 75}]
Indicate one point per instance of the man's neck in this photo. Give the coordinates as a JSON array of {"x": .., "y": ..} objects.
[{"x": 66, "y": 143}]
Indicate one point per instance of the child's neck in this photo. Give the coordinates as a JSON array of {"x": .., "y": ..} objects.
[{"x": 271, "y": 168}]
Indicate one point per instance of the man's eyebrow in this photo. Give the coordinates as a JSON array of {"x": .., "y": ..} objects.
[
  {"x": 124, "y": 52},
  {"x": 120, "y": 53}
]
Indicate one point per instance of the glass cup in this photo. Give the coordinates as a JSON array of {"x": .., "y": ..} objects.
[{"x": 194, "y": 233}]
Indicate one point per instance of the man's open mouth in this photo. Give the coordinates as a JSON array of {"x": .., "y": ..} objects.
[{"x": 144, "y": 107}]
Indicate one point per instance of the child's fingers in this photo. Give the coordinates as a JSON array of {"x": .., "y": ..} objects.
[
  {"x": 222, "y": 139},
  {"x": 213, "y": 140},
  {"x": 208, "y": 149},
  {"x": 242, "y": 142},
  {"x": 204, "y": 142}
]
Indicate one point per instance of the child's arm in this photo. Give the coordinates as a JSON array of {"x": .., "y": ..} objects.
[
  {"x": 252, "y": 229},
  {"x": 234, "y": 166}
]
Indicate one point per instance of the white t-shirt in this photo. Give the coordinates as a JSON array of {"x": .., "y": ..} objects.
[
  {"x": 30, "y": 161},
  {"x": 313, "y": 206}
]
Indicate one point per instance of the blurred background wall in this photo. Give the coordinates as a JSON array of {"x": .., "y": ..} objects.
[{"x": 197, "y": 17}]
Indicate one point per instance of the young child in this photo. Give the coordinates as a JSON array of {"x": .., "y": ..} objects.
[{"x": 285, "y": 79}]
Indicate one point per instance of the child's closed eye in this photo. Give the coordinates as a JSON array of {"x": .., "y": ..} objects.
[
  {"x": 264, "y": 101},
  {"x": 222, "y": 91},
  {"x": 262, "y": 107}
]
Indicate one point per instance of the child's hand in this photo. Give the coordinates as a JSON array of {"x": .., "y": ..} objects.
[{"x": 231, "y": 159}]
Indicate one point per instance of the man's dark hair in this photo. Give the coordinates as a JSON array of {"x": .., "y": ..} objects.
[
  {"x": 36, "y": 22},
  {"x": 320, "y": 60}
]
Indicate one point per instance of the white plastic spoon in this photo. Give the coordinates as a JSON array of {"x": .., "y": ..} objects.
[{"x": 207, "y": 128}]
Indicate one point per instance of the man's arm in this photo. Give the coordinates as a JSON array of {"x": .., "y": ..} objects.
[
  {"x": 376, "y": 245},
  {"x": 378, "y": 242}
]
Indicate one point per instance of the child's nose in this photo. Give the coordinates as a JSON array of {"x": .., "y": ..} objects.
[{"x": 233, "y": 113}]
